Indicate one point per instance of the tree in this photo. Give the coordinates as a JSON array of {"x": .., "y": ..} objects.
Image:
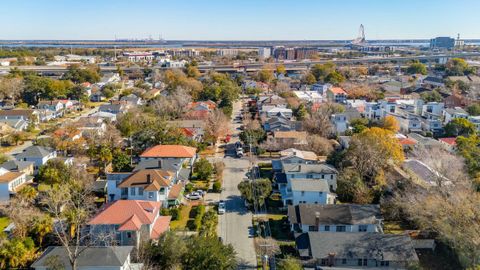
[
  {"x": 469, "y": 149},
  {"x": 351, "y": 188},
  {"x": 300, "y": 112},
  {"x": 193, "y": 72},
  {"x": 431, "y": 96},
  {"x": 54, "y": 172},
  {"x": 390, "y": 123},
  {"x": 78, "y": 75},
  {"x": 309, "y": 78},
  {"x": 460, "y": 127},
  {"x": 167, "y": 253},
  {"x": 121, "y": 161},
  {"x": 105, "y": 155},
  {"x": 474, "y": 109},
  {"x": 281, "y": 69},
  {"x": 335, "y": 78},
  {"x": 3, "y": 158},
  {"x": 203, "y": 168},
  {"x": 172, "y": 106},
  {"x": 359, "y": 124},
  {"x": 458, "y": 67},
  {"x": 290, "y": 263},
  {"x": 42, "y": 226},
  {"x": 73, "y": 205},
  {"x": 216, "y": 126},
  {"x": 265, "y": 74},
  {"x": 11, "y": 89},
  {"x": 208, "y": 228},
  {"x": 209, "y": 253},
  {"x": 281, "y": 87},
  {"x": 320, "y": 72},
  {"x": 373, "y": 150},
  {"x": 417, "y": 68},
  {"x": 319, "y": 121},
  {"x": 17, "y": 253},
  {"x": 28, "y": 193},
  {"x": 258, "y": 190},
  {"x": 319, "y": 145}
]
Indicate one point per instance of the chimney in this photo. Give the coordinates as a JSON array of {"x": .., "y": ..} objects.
[
  {"x": 160, "y": 164},
  {"x": 149, "y": 180},
  {"x": 317, "y": 219}
]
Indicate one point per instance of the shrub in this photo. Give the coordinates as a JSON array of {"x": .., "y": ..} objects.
[
  {"x": 189, "y": 187},
  {"x": 217, "y": 186}
]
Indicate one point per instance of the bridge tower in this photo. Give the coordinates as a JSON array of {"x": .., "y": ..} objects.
[{"x": 361, "y": 36}]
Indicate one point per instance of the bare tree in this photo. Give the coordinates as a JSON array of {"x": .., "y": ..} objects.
[
  {"x": 11, "y": 88},
  {"x": 174, "y": 105},
  {"x": 282, "y": 87},
  {"x": 72, "y": 206},
  {"x": 216, "y": 125},
  {"x": 318, "y": 144}
]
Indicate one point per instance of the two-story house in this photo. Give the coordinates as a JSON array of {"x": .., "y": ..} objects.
[
  {"x": 55, "y": 107},
  {"x": 39, "y": 155},
  {"x": 130, "y": 222},
  {"x": 10, "y": 183},
  {"x": 180, "y": 154},
  {"x": 337, "y": 94},
  {"x": 335, "y": 218}
]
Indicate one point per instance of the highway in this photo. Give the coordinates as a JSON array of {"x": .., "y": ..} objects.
[{"x": 290, "y": 66}]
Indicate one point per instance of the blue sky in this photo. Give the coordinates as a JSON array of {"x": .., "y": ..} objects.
[{"x": 231, "y": 20}]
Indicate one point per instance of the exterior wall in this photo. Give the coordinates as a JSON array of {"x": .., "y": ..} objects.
[
  {"x": 299, "y": 197},
  {"x": 362, "y": 262},
  {"x": 4, "y": 192}
]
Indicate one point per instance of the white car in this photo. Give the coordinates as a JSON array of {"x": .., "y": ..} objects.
[
  {"x": 193, "y": 196},
  {"x": 240, "y": 153},
  {"x": 221, "y": 207}
]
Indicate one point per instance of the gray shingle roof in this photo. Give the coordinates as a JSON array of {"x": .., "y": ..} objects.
[
  {"x": 92, "y": 256},
  {"x": 15, "y": 165},
  {"x": 386, "y": 247},
  {"x": 314, "y": 185},
  {"x": 309, "y": 168},
  {"x": 35, "y": 151},
  {"x": 334, "y": 214}
]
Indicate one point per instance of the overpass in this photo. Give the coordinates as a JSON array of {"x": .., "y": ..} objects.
[{"x": 289, "y": 66}]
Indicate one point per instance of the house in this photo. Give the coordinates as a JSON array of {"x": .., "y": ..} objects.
[
  {"x": 293, "y": 156},
  {"x": 194, "y": 129},
  {"x": 18, "y": 166},
  {"x": 301, "y": 172},
  {"x": 357, "y": 250},
  {"x": 113, "y": 107},
  {"x": 288, "y": 138},
  {"x": 308, "y": 191},
  {"x": 453, "y": 113},
  {"x": 432, "y": 82},
  {"x": 271, "y": 111},
  {"x": 132, "y": 100},
  {"x": 335, "y": 218},
  {"x": 424, "y": 173},
  {"x": 450, "y": 144},
  {"x": 337, "y": 95},
  {"x": 147, "y": 184},
  {"x": 39, "y": 155},
  {"x": 110, "y": 117},
  {"x": 321, "y": 88},
  {"x": 91, "y": 124},
  {"x": 97, "y": 96},
  {"x": 28, "y": 115},
  {"x": 339, "y": 122},
  {"x": 91, "y": 258},
  {"x": 16, "y": 124},
  {"x": 178, "y": 154},
  {"x": 279, "y": 123},
  {"x": 10, "y": 183},
  {"x": 130, "y": 221},
  {"x": 55, "y": 107},
  {"x": 435, "y": 108}
]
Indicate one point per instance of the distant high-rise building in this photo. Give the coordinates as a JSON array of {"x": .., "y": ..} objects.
[
  {"x": 305, "y": 53},
  {"x": 264, "y": 52},
  {"x": 280, "y": 53},
  {"x": 442, "y": 43},
  {"x": 227, "y": 52},
  {"x": 290, "y": 54}
]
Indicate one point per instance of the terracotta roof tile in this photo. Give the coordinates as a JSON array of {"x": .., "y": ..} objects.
[
  {"x": 176, "y": 151},
  {"x": 121, "y": 212},
  {"x": 338, "y": 90},
  {"x": 407, "y": 141},
  {"x": 450, "y": 141},
  {"x": 132, "y": 224},
  {"x": 162, "y": 224},
  {"x": 175, "y": 191}
]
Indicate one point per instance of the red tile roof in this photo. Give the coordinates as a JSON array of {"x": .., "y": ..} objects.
[
  {"x": 196, "y": 115},
  {"x": 175, "y": 191},
  {"x": 127, "y": 213},
  {"x": 407, "y": 141},
  {"x": 338, "y": 90},
  {"x": 450, "y": 140},
  {"x": 162, "y": 224},
  {"x": 132, "y": 224},
  {"x": 172, "y": 151}
]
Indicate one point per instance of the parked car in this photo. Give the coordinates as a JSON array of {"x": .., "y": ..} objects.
[
  {"x": 201, "y": 192},
  {"x": 239, "y": 152},
  {"x": 193, "y": 196},
  {"x": 238, "y": 145},
  {"x": 221, "y": 207}
]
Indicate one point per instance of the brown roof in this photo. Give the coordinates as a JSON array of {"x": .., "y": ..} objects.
[
  {"x": 9, "y": 176},
  {"x": 338, "y": 90},
  {"x": 175, "y": 191},
  {"x": 301, "y": 135},
  {"x": 161, "y": 225},
  {"x": 128, "y": 213},
  {"x": 158, "y": 179},
  {"x": 24, "y": 112},
  {"x": 176, "y": 151}
]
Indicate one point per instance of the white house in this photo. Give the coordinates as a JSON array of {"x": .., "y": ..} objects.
[
  {"x": 37, "y": 154},
  {"x": 453, "y": 113},
  {"x": 308, "y": 191},
  {"x": 10, "y": 182},
  {"x": 339, "y": 122}
]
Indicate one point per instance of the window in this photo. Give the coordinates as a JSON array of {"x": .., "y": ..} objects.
[
  {"x": 303, "y": 193},
  {"x": 359, "y": 262},
  {"x": 140, "y": 191},
  {"x": 309, "y": 176},
  {"x": 320, "y": 194},
  {"x": 323, "y": 176},
  {"x": 150, "y": 195},
  {"x": 312, "y": 228},
  {"x": 365, "y": 262},
  {"x": 129, "y": 235},
  {"x": 362, "y": 228},
  {"x": 327, "y": 228},
  {"x": 344, "y": 261},
  {"x": 340, "y": 228},
  {"x": 124, "y": 191},
  {"x": 132, "y": 191},
  {"x": 331, "y": 176}
]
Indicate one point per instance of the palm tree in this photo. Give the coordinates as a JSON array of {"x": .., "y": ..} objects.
[
  {"x": 42, "y": 226},
  {"x": 28, "y": 193}
]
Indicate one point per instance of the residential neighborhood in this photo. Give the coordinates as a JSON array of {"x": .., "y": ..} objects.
[{"x": 256, "y": 153}]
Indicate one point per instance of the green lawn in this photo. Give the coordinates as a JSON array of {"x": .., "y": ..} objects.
[{"x": 181, "y": 223}]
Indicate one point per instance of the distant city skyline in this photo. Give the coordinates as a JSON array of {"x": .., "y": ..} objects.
[{"x": 238, "y": 20}]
